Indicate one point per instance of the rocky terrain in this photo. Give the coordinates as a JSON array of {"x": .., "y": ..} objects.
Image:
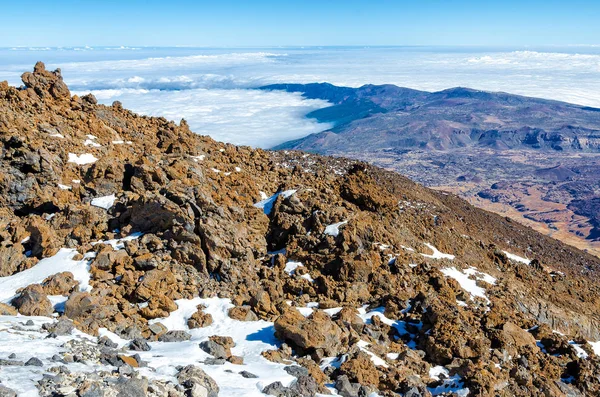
[
  {"x": 534, "y": 160},
  {"x": 140, "y": 259}
]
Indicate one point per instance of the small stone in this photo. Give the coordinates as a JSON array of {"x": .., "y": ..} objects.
[
  {"x": 128, "y": 360},
  {"x": 215, "y": 361},
  {"x": 276, "y": 389},
  {"x": 12, "y": 356},
  {"x": 139, "y": 344},
  {"x": 29, "y": 323},
  {"x": 35, "y": 362},
  {"x": 214, "y": 349},
  {"x": 248, "y": 375},
  {"x": 296, "y": 370},
  {"x": 237, "y": 360},
  {"x": 157, "y": 329},
  {"x": 175, "y": 336},
  {"x": 106, "y": 341}
]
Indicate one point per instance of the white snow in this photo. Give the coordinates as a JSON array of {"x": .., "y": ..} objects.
[
  {"x": 82, "y": 159},
  {"x": 199, "y": 158},
  {"x": 436, "y": 253},
  {"x": 595, "y": 347},
  {"x": 61, "y": 262},
  {"x": 64, "y": 187},
  {"x": 118, "y": 142},
  {"x": 251, "y": 338},
  {"x": 334, "y": 229},
  {"x": 517, "y": 258},
  {"x": 450, "y": 384},
  {"x": 31, "y": 341},
  {"x": 104, "y": 202},
  {"x": 118, "y": 244},
  {"x": 307, "y": 276},
  {"x": 76, "y": 181},
  {"x": 467, "y": 283},
  {"x": 267, "y": 203},
  {"x": 378, "y": 361},
  {"x": 89, "y": 142},
  {"x": 437, "y": 371},
  {"x": 472, "y": 271},
  {"x": 57, "y": 135},
  {"x": 237, "y": 169},
  {"x": 579, "y": 350},
  {"x": 290, "y": 267}
]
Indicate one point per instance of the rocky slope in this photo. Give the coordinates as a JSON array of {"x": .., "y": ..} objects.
[{"x": 147, "y": 260}]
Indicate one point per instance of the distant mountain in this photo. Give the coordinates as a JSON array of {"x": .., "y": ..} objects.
[
  {"x": 386, "y": 116},
  {"x": 535, "y": 160}
]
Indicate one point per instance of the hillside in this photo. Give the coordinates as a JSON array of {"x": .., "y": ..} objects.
[
  {"x": 146, "y": 260},
  {"x": 545, "y": 154}
]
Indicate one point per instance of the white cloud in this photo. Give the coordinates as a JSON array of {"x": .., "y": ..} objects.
[
  {"x": 208, "y": 87},
  {"x": 245, "y": 117}
]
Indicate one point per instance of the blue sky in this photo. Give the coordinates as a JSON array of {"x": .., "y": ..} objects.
[{"x": 306, "y": 22}]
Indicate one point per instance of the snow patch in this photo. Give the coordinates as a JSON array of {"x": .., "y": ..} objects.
[
  {"x": 436, "y": 253},
  {"x": 82, "y": 159},
  {"x": 467, "y": 283},
  {"x": 61, "y": 262},
  {"x": 267, "y": 203},
  {"x": 334, "y": 229},
  {"x": 104, "y": 202},
  {"x": 517, "y": 258},
  {"x": 290, "y": 267}
]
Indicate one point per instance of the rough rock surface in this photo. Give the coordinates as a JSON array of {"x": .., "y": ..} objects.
[{"x": 385, "y": 280}]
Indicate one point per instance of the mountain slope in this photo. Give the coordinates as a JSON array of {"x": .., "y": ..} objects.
[
  {"x": 506, "y": 140},
  {"x": 224, "y": 269}
]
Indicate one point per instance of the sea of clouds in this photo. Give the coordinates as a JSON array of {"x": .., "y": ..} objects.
[{"x": 213, "y": 89}]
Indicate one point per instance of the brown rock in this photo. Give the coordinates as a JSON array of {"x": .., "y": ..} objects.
[
  {"x": 200, "y": 319},
  {"x": 7, "y": 310},
  {"x": 32, "y": 301},
  {"x": 132, "y": 362},
  {"x": 242, "y": 313},
  {"x": 237, "y": 360},
  {"x": 60, "y": 284},
  {"x": 514, "y": 338},
  {"x": 361, "y": 369},
  {"x": 307, "y": 335},
  {"x": 158, "y": 306}
]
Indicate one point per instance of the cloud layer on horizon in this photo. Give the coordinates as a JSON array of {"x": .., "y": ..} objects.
[{"x": 210, "y": 87}]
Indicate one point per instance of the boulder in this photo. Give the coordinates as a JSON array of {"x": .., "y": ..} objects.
[
  {"x": 308, "y": 335},
  {"x": 242, "y": 313},
  {"x": 32, "y": 301},
  {"x": 218, "y": 346},
  {"x": 139, "y": 344},
  {"x": 175, "y": 336},
  {"x": 7, "y": 310},
  {"x": 197, "y": 382},
  {"x": 200, "y": 319},
  {"x": 60, "y": 284}
]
